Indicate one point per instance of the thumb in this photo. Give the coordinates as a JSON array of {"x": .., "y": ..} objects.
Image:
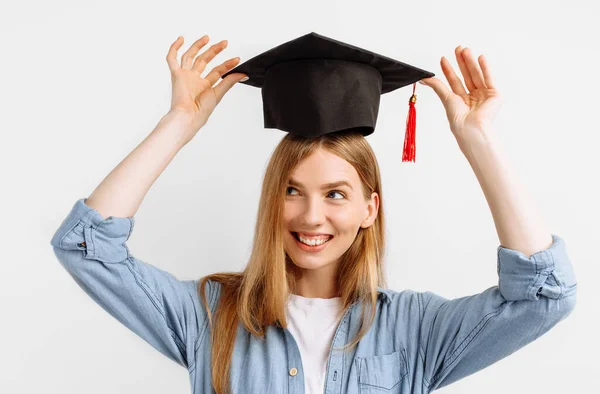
[
  {"x": 227, "y": 84},
  {"x": 438, "y": 87}
]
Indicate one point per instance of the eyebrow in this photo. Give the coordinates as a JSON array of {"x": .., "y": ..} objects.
[{"x": 331, "y": 185}]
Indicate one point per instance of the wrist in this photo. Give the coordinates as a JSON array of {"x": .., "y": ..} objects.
[
  {"x": 473, "y": 140},
  {"x": 178, "y": 116},
  {"x": 180, "y": 124}
]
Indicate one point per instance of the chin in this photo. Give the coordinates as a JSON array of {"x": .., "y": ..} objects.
[{"x": 307, "y": 264}]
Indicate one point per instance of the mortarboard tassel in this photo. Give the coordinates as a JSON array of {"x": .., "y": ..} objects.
[{"x": 410, "y": 148}]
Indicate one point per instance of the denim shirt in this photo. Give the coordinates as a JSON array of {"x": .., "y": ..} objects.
[{"x": 419, "y": 341}]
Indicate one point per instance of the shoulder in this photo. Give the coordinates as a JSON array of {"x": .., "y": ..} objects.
[
  {"x": 398, "y": 297},
  {"x": 408, "y": 303}
]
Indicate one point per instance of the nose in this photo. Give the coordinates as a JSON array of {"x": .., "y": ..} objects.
[{"x": 314, "y": 212}]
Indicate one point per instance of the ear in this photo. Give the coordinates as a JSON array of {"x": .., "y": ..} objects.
[{"x": 372, "y": 210}]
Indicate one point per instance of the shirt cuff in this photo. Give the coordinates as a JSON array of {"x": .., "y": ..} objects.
[
  {"x": 548, "y": 273},
  {"x": 100, "y": 239}
]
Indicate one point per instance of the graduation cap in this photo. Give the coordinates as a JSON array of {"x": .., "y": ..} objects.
[{"x": 314, "y": 85}]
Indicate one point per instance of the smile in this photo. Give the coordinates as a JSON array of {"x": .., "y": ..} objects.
[{"x": 311, "y": 246}]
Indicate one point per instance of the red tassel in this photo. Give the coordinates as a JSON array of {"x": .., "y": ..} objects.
[{"x": 410, "y": 148}]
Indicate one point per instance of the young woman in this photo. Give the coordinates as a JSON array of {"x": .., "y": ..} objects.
[{"x": 310, "y": 312}]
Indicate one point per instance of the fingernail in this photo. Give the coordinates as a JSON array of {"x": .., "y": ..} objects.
[{"x": 244, "y": 79}]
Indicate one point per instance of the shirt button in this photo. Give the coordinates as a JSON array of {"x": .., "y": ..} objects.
[{"x": 293, "y": 371}]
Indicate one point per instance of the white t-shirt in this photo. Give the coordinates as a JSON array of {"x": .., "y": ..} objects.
[{"x": 312, "y": 322}]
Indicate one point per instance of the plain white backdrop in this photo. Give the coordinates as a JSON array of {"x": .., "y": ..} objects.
[{"x": 83, "y": 82}]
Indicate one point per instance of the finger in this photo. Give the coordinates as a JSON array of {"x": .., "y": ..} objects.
[
  {"x": 218, "y": 71},
  {"x": 190, "y": 54},
  {"x": 463, "y": 68},
  {"x": 208, "y": 55},
  {"x": 487, "y": 75},
  {"x": 226, "y": 84},
  {"x": 474, "y": 70},
  {"x": 453, "y": 79},
  {"x": 172, "y": 54}
]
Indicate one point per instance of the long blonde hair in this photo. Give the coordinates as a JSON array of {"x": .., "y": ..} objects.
[{"x": 257, "y": 296}]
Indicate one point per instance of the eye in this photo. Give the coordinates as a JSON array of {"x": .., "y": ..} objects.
[
  {"x": 332, "y": 191},
  {"x": 338, "y": 192}
]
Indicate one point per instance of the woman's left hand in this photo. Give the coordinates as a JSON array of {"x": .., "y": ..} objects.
[{"x": 470, "y": 112}]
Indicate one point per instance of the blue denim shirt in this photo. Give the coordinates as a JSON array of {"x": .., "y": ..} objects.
[{"x": 419, "y": 341}]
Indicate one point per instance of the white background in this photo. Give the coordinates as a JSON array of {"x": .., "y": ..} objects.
[{"x": 83, "y": 82}]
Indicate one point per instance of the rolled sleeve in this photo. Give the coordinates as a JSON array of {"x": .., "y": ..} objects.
[
  {"x": 548, "y": 273},
  {"x": 100, "y": 239}
]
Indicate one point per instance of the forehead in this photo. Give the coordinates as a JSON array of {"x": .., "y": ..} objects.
[{"x": 322, "y": 167}]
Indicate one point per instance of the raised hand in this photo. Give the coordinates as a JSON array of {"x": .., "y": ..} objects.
[
  {"x": 470, "y": 111},
  {"x": 193, "y": 95}
]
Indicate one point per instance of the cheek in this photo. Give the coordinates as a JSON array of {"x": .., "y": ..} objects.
[
  {"x": 289, "y": 215},
  {"x": 344, "y": 219}
]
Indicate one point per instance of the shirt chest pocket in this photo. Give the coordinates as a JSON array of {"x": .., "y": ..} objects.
[{"x": 383, "y": 373}]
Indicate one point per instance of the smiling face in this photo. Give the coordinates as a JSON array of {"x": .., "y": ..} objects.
[{"x": 312, "y": 206}]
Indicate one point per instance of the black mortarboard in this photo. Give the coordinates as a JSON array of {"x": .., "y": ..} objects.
[{"x": 314, "y": 85}]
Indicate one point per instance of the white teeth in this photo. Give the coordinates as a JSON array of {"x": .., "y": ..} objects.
[{"x": 313, "y": 242}]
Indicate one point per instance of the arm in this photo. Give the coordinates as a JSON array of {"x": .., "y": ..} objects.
[
  {"x": 164, "y": 311},
  {"x": 536, "y": 287},
  {"x": 90, "y": 242},
  {"x": 122, "y": 191},
  {"x": 516, "y": 218}
]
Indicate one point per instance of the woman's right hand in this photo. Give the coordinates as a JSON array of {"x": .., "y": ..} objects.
[{"x": 193, "y": 96}]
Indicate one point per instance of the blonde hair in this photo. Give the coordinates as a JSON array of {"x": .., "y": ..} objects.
[{"x": 257, "y": 296}]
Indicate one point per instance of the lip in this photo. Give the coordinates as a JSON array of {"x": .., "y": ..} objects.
[
  {"x": 310, "y": 249},
  {"x": 308, "y": 233}
]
